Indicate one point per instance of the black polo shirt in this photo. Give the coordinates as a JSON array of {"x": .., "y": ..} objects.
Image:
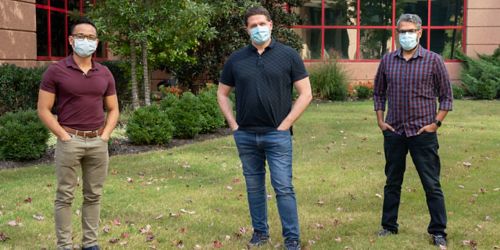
[{"x": 263, "y": 84}]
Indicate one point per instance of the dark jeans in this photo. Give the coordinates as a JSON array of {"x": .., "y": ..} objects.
[
  {"x": 424, "y": 153},
  {"x": 275, "y": 147}
]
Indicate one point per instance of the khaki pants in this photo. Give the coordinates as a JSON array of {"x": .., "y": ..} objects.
[{"x": 91, "y": 154}]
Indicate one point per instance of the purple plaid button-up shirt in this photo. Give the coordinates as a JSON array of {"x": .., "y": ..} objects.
[{"x": 411, "y": 88}]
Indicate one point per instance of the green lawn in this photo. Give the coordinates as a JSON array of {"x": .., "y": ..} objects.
[{"x": 195, "y": 195}]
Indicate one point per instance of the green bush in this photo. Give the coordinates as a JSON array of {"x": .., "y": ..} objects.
[
  {"x": 481, "y": 77},
  {"x": 150, "y": 125},
  {"x": 363, "y": 92},
  {"x": 329, "y": 81},
  {"x": 120, "y": 71},
  {"x": 210, "y": 110},
  {"x": 458, "y": 91},
  {"x": 169, "y": 102},
  {"x": 19, "y": 87},
  {"x": 22, "y": 136},
  {"x": 187, "y": 116}
]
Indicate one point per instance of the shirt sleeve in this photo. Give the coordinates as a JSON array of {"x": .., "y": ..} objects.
[
  {"x": 380, "y": 87},
  {"x": 227, "y": 76},
  {"x": 111, "y": 90},
  {"x": 443, "y": 85},
  {"x": 299, "y": 71},
  {"x": 48, "y": 80}
]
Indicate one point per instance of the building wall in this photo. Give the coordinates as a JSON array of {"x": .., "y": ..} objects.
[
  {"x": 18, "y": 37},
  {"x": 18, "y": 32}
]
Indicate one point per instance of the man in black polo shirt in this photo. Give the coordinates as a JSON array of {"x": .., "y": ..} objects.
[{"x": 263, "y": 75}]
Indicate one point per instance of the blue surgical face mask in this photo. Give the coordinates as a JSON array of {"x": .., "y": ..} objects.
[
  {"x": 260, "y": 34},
  {"x": 84, "y": 47},
  {"x": 408, "y": 40}
]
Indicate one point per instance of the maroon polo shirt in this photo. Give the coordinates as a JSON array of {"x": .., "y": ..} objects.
[{"x": 79, "y": 96}]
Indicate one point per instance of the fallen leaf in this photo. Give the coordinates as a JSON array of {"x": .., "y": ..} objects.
[
  {"x": 3, "y": 237},
  {"x": 227, "y": 237},
  {"x": 482, "y": 190},
  {"x": 77, "y": 212},
  {"x": 471, "y": 243},
  {"x": 145, "y": 229},
  {"x": 178, "y": 243},
  {"x": 488, "y": 218},
  {"x": 106, "y": 229},
  {"x": 311, "y": 242},
  {"x": 184, "y": 211},
  {"x": 116, "y": 222},
  {"x": 186, "y": 165},
  {"x": 319, "y": 226},
  {"x": 229, "y": 188},
  {"x": 28, "y": 200},
  {"x": 467, "y": 164},
  {"x": 130, "y": 180},
  {"x": 174, "y": 215},
  {"x": 496, "y": 189},
  {"x": 461, "y": 186},
  {"x": 197, "y": 247},
  {"x": 378, "y": 195},
  {"x": 236, "y": 180},
  {"x": 320, "y": 202},
  {"x": 38, "y": 217},
  {"x": 114, "y": 172},
  {"x": 123, "y": 243},
  {"x": 217, "y": 244},
  {"x": 124, "y": 235},
  {"x": 339, "y": 209},
  {"x": 13, "y": 223},
  {"x": 159, "y": 217},
  {"x": 182, "y": 230},
  {"x": 114, "y": 240},
  {"x": 338, "y": 239},
  {"x": 150, "y": 237}
]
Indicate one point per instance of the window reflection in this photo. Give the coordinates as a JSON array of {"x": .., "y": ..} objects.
[
  {"x": 311, "y": 47},
  {"x": 376, "y": 12},
  {"x": 310, "y": 12},
  {"x": 418, "y": 7},
  {"x": 447, "y": 12},
  {"x": 340, "y": 43},
  {"x": 374, "y": 43},
  {"x": 340, "y": 12},
  {"x": 446, "y": 42}
]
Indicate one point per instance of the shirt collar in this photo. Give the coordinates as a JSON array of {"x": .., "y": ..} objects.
[
  {"x": 70, "y": 63},
  {"x": 418, "y": 53},
  {"x": 270, "y": 46}
]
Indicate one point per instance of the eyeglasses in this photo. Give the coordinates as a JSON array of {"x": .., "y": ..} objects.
[
  {"x": 83, "y": 36},
  {"x": 407, "y": 31}
]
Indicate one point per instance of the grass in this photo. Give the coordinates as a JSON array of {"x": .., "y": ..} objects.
[{"x": 338, "y": 176}]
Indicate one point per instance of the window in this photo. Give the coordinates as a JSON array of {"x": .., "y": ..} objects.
[
  {"x": 53, "y": 21},
  {"x": 364, "y": 30}
]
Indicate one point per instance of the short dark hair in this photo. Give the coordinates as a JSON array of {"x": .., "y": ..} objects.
[
  {"x": 257, "y": 11},
  {"x": 81, "y": 20}
]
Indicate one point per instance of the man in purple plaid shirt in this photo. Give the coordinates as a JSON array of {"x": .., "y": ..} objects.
[{"x": 410, "y": 79}]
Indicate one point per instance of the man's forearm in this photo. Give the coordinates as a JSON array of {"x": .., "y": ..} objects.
[
  {"x": 298, "y": 108},
  {"x": 51, "y": 123},
  {"x": 227, "y": 111},
  {"x": 111, "y": 121}
]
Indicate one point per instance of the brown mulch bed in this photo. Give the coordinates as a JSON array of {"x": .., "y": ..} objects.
[{"x": 121, "y": 147}]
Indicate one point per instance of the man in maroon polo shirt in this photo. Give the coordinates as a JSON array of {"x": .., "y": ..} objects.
[{"x": 81, "y": 87}]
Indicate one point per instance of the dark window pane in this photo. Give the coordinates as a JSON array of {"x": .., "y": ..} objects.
[
  {"x": 74, "y": 5},
  {"x": 44, "y": 2},
  {"x": 447, "y": 12},
  {"x": 376, "y": 12},
  {"x": 374, "y": 43},
  {"x": 340, "y": 43},
  {"x": 418, "y": 7},
  {"x": 446, "y": 42},
  {"x": 42, "y": 32},
  {"x": 311, "y": 47},
  {"x": 58, "y": 34},
  {"x": 310, "y": 12},
  {"x": 57, "y": 4},
  {"x": 340, "y": 12}
]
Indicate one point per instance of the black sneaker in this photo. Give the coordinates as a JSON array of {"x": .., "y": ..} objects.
[
  {"x": 385, "y": 232},
  {"x": 258, "y": 239},
  {"x": 439, "y": 241},
  {"x": 292, "y": 245}
]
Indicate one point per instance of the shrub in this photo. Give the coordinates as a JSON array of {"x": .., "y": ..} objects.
[
  {"x": 458, "y": 91},
  {"x": 364, "y": 91},
  {"x": 329, "y": 81},
  {"x": 19, "y": 87},
  {"x": 169, "y": 102},
  {"x": 121, "y": 73},
  {"x": 210, "y": 110},
  {"x": 481, "y": 77},
  {"x": 187, "y": 116},
  {"x": 150, "y": 125},
  {"x": 22, "y": 136}
]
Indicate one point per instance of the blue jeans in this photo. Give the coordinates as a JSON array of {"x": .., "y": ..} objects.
[{"x": 275, "y": 147}]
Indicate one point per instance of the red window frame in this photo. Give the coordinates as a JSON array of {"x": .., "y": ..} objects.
[
  {"x": 65, "y": 11},
  {"x": 358, "y": 27}
]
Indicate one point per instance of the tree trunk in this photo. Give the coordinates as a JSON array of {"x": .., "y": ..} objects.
[
  {"x": 147, "y": 91},
  {"x": 133, "y": 75}
]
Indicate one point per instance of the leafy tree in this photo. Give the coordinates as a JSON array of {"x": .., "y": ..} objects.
[
  {"x": 164, "y": 30},
  {"x": 481, "y": 77}
]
